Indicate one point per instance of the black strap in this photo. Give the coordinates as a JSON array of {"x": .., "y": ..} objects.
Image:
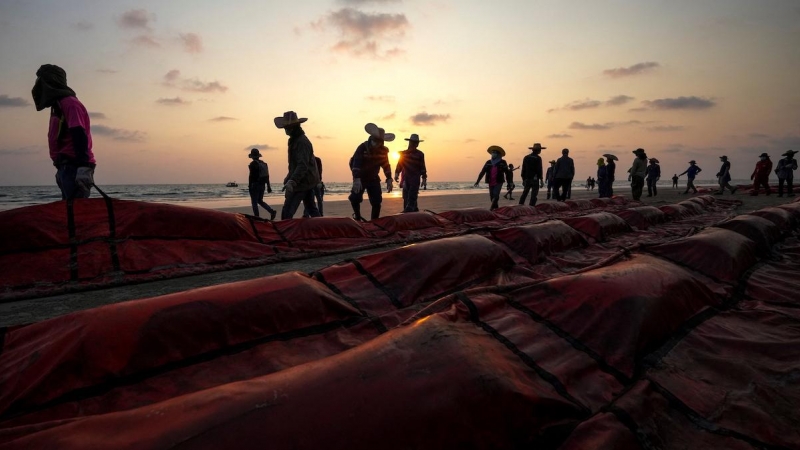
[{"x": 112, "y": 229}]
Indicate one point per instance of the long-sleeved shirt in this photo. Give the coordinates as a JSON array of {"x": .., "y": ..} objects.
[
  {"x": 639, "y": 167},
  {"x": 302, "y": 167},
  {"x": 653, "y": 171},
  {"x": 531, "y": 168},
  {"x": 763, "y": 168},
  {"x": 693, "y": 170},
  {"x": 367, "y": 162},
  {"x": 611, "y": 168},
  {"x": 411, "y": 164},
  {"x": 255, "y": 173},
  {"x": 786, "y": 168}
]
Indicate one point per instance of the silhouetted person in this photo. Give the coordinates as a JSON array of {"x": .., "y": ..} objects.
[
  {"x": 785, "y": 172},
  {"x": 303, "y": 174},
  {"x": 724, "y": 176},
  {"x": 602, "y": 178},
  {"x": 69, "y": 136},
  {"x": 318, "y": 190},
  {"x": 563, "y": 172},
  {"x": 508, "y": 195},
  {"x": 760, "y": 175},
  {"x": 531, "y": 174},
  {"x": 675, "y": 180},
  {"x": 637, "y": 173},
  {"x": 611, "y": 168},
  {"x": 369, "y": 158},
  {"x": 257, "y": 182},
  {"x": 653, "y": 174},
  {"x": 495, "y": 173},
  {"x": 549, "y": 180},
  {"x": 412, "y": 166},
  {"x": 691, "y": 173}
]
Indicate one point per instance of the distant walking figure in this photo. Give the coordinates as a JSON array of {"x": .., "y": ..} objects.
[
  {"x": 675, "y": 180},
  {"x": 785, "y": 172},
  {"x": 760, "y": 175},
  {"x": 531, "y": 174},
  {"x": 318, "y": 190},
  {"x": 257, "y": 182},
  {"x": 370, "y": 157},
  {"x": 548, "y": 178},
  {"x": 508, "y": 195},
  {"x": 653, "y": 175},
  {"x": 495, "y": 173},
  {"x": 602, "y": 177},
  {"x": 691, "y": 173},
  {"x": 724, "y": 176},
  {"x": 637, "y": 173},
  {"x": 412, "y": 166},
  {"x": 611, "y": 169},
  {"x": 563, "y": 172},
  {"x": 69, "y": 136}
]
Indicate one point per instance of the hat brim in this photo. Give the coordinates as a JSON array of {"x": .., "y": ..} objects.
[
  {"x": 790, "y": 153},
  {"x": 280, "y": 122},
  {"x": 611, "y": 157},
  {"x": 536, "y": 148},
  {"x": 414, "y": 140},
  {"x": 374, "y": 131},
  {"x": 499, "y": 150}
]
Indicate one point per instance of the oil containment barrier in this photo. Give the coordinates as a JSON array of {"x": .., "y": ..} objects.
[{"x": 590, "y": 325}]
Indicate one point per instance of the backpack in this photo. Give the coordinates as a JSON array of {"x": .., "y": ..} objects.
[{"x": 263, "y": 172}]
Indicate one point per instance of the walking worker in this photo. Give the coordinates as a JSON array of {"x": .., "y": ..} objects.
[
  {"x": 531, "y": 175},
  {"x": 611, "y": 168},
  {"x": 563, "y": 173},
  {"x": 257, "y": 181},
  {"x": 602, "y": 177},
  {"x": 653, "y": 174},
  {"x": 724, "y": 176},
  {"x": 318, "y": 190},
  {"x": 691, "y": 173},
  {"x": 303, "y": 175},
  {"x": 495, "y": 172},
  {"x": 785, "y": 172},
  {"x": 548, "y": 178},
  {"x": 760, "y": 175},
  {"x": 508, "y": 195},
  {"x": 69, "y": 136},
  {"x": 674, "y": 180},
  {"x": 637, "y": 173},
  {"x": 412, "y": 166},
  {"x": 369, "y": 158}
]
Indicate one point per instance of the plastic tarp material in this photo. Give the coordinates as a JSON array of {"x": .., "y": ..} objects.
[
  {"x": 534, "y": 242},
  {"x": 761, "y": 231},
  {"x": 469, "y": 215},
  {"x": 642, "y": 217},
  {"x": 601, "y": 202},
  {"x": 676, "y": 212},
  {"x": 599, "y": 226},
  {"x": 553, "y": 207},
  {"x": 515, "y": 211},
  {"x": 582, "y": 204},
  {"x": 779, "y": 216},
  {"x": 694, "y": 208}
]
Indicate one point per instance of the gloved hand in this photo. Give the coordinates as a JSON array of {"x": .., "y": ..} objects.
[
  {"x": 357, "y": 187},
  {"x": 290, "y": 186},
  {"x": 269, "y": 190},
  {"x": 475, "y": 185},
  {"x": 319, "y": 185},
  {"x": 396, "y": 179},
  {"x": 389, "y": 185},
  {"x": 402, "y": 184},
  {"x": 629, "y": 178},
  {"x": 84, "y": 178},
  {"x": 524, "y": 183}
]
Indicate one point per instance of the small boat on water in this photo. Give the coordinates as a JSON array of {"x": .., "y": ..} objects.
[{"x": 231, "y": 184}]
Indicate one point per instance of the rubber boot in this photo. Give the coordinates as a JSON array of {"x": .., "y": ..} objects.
[
  {"x": 357, "y": 212},
  {"x": 376, "y": 212}
]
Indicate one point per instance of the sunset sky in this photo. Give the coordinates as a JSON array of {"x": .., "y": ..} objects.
[{"x": 180, "y": 90}]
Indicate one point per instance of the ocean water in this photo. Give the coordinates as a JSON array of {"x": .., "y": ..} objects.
[{"x": 220, "y": 196}]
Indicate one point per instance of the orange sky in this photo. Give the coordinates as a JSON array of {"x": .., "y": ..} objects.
[{"x": 180, "y": 91}]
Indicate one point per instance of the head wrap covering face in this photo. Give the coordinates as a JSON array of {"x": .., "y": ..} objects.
[
  {"x": 601, "y": 162},
  {"x": 51, "y": 85}
]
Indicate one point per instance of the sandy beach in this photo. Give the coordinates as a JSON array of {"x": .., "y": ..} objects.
[{"x": 479, "y": 198}]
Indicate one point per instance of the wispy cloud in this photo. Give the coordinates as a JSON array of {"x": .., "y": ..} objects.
[
  {"x": 107, "y": 71},
  {"x": 426, "y": 119},
  {"x": 136, "y": 19},
  {"x": 588, "y": 103},
  {"x": 222, "y": 119},
  {"x": 97, "y": 115},
  {"x": 192, "y": 43},
  {"x": 363, "y": 34},
  {"x": 757, "y": 136},
  {"x": 637, "y": 109},
  {"x": 389, "y": 116},
  {"x": 601, "y": 126},
  {"x": 470, "y": 140},
  {"x": 12, "y": 102},
  {"x": 83, "y": 25},
  {"x": 380, "y": 98},
  {"x": 635, "y": 69},
  {"x": 174, "y": 79},
  {"x": 559, "y": 136},
  {"x": 363, "y": 2},
  {"x": 323, "y": 137},
  {"x": 177, "y": 101},
  {"x": 667, "y": 128},
  {"x": 265, "y": 147},
  {"x": 27, "y": 150},
  {"x": 145, "y": 41},
  {"x": 696, "y": 103},
  {"x": 119, "y": 134}
]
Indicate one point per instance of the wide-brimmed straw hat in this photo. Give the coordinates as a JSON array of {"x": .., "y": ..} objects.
[
  {"x": 414, "y": 138},
  {"x": 537, "y": 146},
  {"x": 789, "y": 153},
  {"x": 655, "y": 160},
  {"x": 254, "y": 153},
  {"x": 763, "y": 155},
  {"x": 289, "y": 118},
  {"x": 496, "y": 148},
  {"x": 692, "y": 162},
  {"x": 723, "y": 157},
  {"x": 553, "y": 161},
  {"x": 610, "y": 156},
  {"x": 378, "y": 133},
  {"x": 638, "y": 151}
]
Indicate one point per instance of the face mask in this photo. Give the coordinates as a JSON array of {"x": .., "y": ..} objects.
[
  {"x": 763, "y": 158},
  {"x": 375, "y": 143},
  {"x": 494, "y": 154}
]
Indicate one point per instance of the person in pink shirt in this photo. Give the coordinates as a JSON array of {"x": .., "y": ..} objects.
[
  {"x": 495, "y": 172},
  {"x": 69, "y": 136}
]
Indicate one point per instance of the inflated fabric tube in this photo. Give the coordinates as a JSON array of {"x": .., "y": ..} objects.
[
  {"x": 552, "y": 207},
  {"x": 409, "y": 221},
  {"x": 514, "y": 211},
  {"x": 534, "y": 242},
  {"x": 601, "y": 202},
  {"x": 469, "y": 215},
  {"x": 598, "y": 226},
  {"x": 779, "y": 216},
  {"x": 582, "y": 204},
  {"x": 693, "y": 208},
  {"x": 676, "y": 212},
  {"x": 642, "y": 217},
  {"x": 763, "y": 232}
]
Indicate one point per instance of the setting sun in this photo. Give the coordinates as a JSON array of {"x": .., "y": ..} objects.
[{"x": 394, "y": 156}]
